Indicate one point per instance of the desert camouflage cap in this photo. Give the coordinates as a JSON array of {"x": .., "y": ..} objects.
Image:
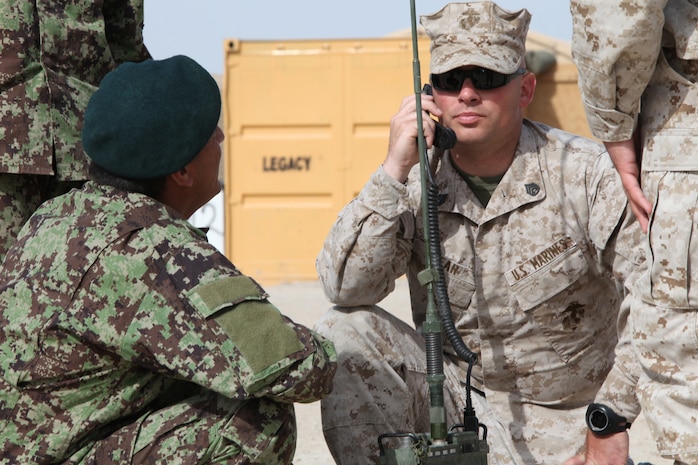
[{"x": 477, "y": 34}]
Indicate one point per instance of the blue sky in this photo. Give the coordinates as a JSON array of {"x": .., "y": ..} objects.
[{"x": 199, "y": 28}]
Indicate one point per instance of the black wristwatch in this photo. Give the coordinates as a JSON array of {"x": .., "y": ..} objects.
[{"x": 603, "y": 421}]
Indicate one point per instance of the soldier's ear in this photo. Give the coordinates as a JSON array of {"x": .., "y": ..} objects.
[
  {"x": 182, "y": 177},
  {"x": 528, "y": 89}
]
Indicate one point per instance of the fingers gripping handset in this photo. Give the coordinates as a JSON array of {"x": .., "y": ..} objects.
[
  {"x": 444, "y": 138},
  {"x": 403, "y": 145}
]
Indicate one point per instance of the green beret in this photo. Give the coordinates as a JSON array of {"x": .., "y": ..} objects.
[{"x": 150, "y": 119}]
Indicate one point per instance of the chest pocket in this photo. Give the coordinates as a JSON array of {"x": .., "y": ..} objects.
[
  {"x": 547, "y": 273},
  {"x": 461, "y": 288},
  {"x": 555, "y": 289}
]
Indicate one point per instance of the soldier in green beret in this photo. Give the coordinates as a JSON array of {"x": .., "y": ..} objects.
[
  {"x": 54, "y": 53},
  {"x": 125, "y": 337}
]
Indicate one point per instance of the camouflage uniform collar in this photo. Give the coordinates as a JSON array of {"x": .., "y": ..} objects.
[
  {"x": 521, "y": 184},
  {"x": 140, "y": 209}
]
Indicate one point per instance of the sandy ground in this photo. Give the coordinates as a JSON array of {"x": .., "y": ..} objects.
[{"x": 305, "y": 302}]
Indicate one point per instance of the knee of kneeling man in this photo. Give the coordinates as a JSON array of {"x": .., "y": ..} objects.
[{"x": 345, "y": 322}]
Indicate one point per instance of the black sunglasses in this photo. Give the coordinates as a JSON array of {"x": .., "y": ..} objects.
[{"x": 482, "y": 79}]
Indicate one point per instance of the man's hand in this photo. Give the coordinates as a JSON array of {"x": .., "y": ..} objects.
[
  {"x": 608, "y": 450},
  {"x": 624, "y": 159},
  {"x": 402, "y": 145}
]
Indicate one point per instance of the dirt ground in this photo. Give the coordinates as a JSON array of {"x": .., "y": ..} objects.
[{"x": 305, "y": 302}]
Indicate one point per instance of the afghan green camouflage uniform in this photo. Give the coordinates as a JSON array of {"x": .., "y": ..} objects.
[
  {"x": 126, "y": 338},
  {"x": 644, "y": 54},
  {"x": 535, "y": 280},
  {"x": 54, "y": 54}
]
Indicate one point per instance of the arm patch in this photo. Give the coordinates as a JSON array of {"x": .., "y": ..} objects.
[
  {"x": 239, "y": 305},
  {"x": 260, "y": 333}
]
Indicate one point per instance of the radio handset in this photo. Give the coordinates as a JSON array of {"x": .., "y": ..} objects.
[{"x": 444, "y": 138}]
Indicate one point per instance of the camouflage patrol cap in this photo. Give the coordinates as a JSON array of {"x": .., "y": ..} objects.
[
  {"x": 477, "y": 34},
  {"x": 150, "y": 119}
]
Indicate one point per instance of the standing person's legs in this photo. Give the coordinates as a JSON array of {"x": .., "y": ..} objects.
[{"x": 665, "y": 315}]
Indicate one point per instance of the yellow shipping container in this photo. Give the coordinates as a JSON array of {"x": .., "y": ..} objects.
[{"x": 307, "y": 122}]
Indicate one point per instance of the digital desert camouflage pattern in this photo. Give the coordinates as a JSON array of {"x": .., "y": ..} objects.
[
  {"x": 54, "y": 55},
  {"x": 636, "y": 56},
  {"x": 476, "y": 34},
  {"x": 535, "y": 280},
  {"x": 125, "y": 335}
]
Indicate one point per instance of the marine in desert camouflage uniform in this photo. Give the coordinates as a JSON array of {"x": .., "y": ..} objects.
[
  {"x": 638, "y": 69},
  {"x": 535, "y": 269},
  {"x": 54, "y": 53},
  {"x": 125, "y": 337}
]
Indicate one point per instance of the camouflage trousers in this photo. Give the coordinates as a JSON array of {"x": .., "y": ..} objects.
[
  {"x": 20, "y": 195},
  {"x": 204, "y": 429},
  {"x": 664, "y": 315},
  {"x": 380, "y": 387}
]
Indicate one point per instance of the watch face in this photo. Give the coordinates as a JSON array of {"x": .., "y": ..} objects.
[
  {"x": 598, "y": 420},
  {"x": 603, "y": 421}
]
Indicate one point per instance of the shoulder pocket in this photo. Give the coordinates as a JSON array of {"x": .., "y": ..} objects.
[{"x": 256, "y": 327}]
